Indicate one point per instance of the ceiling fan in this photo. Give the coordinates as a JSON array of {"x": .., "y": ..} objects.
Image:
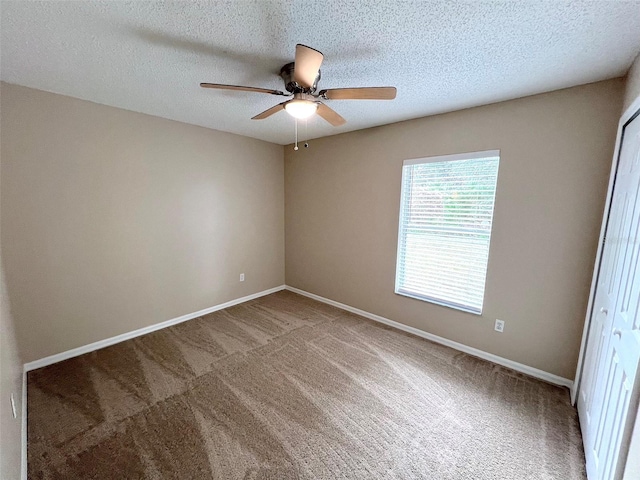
[{"x": 301, "y": 82}]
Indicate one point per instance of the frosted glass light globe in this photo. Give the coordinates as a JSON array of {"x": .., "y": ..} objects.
[{"x": 301, "y": 108}]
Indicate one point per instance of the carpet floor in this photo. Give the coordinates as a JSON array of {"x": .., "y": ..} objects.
[{"x": 284, "y": 387}]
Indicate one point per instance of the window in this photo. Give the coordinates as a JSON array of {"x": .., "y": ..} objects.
[{"x": 446, "y": 210}]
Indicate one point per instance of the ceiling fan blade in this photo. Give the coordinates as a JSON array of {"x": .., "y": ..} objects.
[
  {"x": 330, "y": 115},
  {"x": 270, "y": 111},
  {"x": 307, "y": 64},
  {"x": 364, "y": 93},
  {"x": 241, "y": 88}
]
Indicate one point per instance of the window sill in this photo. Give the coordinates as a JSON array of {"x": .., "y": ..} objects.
[{"x": 440, "y": 303}]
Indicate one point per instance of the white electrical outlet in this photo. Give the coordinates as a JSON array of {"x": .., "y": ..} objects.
[
  {"x": 13, "y": 407},
  {"x": 499, "y": 326},
  {"x": 242, "y": 277}
]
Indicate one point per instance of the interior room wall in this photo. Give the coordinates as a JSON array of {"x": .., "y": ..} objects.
[
  {"x": 10, "y": 383},
  {"x": 342, "y": 198},
  {"x": 632, "y": 89},
  {"x": 632, "y": 464},
  {"x": 113, "y": 220}
]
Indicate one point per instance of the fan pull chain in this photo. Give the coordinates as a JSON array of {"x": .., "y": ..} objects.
[{"x": 296, "y": 124}]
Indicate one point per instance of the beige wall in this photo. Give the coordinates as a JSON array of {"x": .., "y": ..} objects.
[
  {"x": 342, "y": 203},
  {"x": 632, "y": 90},
  {"x": 632, "y": 464},
  {"x": 113, "y": 220},
  {"x": 10, "y": 383}
]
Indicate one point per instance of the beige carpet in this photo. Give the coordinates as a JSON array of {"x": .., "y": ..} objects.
[{"x": 284, "y": 387}]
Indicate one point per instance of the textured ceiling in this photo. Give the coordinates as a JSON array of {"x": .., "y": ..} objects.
[{"x": 446, "y": 55}]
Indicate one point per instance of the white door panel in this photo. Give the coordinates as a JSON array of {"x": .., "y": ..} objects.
[{"x": 613, "y": 347}]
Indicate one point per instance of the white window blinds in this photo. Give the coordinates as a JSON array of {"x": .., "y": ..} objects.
[{"x": 446, "y": 211}]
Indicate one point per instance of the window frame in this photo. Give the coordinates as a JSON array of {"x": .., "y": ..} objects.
[{"x": 436, "y": 159}]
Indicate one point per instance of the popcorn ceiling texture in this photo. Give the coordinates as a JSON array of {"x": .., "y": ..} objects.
[{"x": 150, "y": 56}]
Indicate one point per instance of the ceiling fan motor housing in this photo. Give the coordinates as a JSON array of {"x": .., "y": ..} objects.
[{"x": 287, "y": 74}]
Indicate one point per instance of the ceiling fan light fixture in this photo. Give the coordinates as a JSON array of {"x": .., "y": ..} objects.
[{"x": 301, "y": 109}]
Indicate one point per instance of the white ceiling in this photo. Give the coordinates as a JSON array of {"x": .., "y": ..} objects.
[{"x": 441, "y": 55}]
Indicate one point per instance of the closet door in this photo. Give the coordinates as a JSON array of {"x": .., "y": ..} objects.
[{"x": 613, "y": 347}]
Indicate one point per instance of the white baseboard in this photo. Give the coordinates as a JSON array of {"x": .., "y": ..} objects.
[
  {"x": 23, "y": 432},
  {"x": 519, "y": 367},
  {"x": 58, "y": 357},
  {"x": 505, "y": 362}
]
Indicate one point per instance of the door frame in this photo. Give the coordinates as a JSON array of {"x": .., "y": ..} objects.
[{"x": 629, "y": 114}]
